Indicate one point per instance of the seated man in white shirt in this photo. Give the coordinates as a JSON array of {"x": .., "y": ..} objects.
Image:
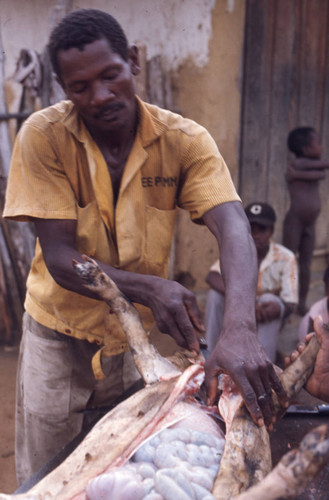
[{"x": 277, "y": 289}]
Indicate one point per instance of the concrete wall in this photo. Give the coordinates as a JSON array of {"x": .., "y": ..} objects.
[{"x": 201, "y": 45}]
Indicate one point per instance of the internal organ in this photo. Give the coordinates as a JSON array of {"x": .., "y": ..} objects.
[{"x": 178, "y": 463}]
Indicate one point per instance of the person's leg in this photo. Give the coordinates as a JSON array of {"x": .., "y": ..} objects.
[
  {"x": 43, "y": 400},
  {"x": 55, "y": 382},
  {"x": 305, "y": 261},
  {"x": 214, "y": 317},
  {"x": 292, "y": 232},
  {"x": 268, "y": 333}
]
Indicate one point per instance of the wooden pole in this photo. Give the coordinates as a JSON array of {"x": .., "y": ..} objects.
[
  {"x": 16, "y": 240},
  {"x": 51, "y": 91}
]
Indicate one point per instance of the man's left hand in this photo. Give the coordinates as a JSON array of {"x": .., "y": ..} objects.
[{"x": 241, "y": 356}]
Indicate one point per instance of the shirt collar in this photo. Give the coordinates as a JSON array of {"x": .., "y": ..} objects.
[{"x": 149, "y": 128}]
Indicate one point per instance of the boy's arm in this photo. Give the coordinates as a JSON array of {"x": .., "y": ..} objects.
[
  {"x": 313, "y": 174},
  {"x": 309, "y": 163}
]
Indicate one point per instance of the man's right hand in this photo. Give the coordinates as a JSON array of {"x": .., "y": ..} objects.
[
  {"x": 175, "y": 311},
  {"x": 174, "y": 307}
]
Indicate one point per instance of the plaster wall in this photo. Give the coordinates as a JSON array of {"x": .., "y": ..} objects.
[
  {"x": 211, "y": 95},
  {"x": 201, "y": 45},
  {"x": 177, "y": 30}
]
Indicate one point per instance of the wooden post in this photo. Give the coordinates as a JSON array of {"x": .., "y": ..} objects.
[
  {"x": 51, "y": 91},
  {"x": 16, "y": 240}
]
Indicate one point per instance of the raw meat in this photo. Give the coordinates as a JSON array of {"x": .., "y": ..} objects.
[{"x": 173, "y": 446}]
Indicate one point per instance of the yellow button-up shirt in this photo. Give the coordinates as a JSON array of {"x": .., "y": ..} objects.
[{"x": 58, "y": 172}]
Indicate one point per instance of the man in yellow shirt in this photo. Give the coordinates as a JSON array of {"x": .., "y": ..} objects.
[{"x": 102, "y": 174}]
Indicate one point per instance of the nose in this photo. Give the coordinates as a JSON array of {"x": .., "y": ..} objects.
[{"x": 101, "y": 93}]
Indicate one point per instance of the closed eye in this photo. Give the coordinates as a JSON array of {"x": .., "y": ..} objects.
[
  {"x": 78, "y": 88},
  {"x": 111, "y": 76}
]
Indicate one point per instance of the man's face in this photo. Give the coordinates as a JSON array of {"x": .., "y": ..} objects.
[
  {"x": 261, "y": 235},
  {"x": 100, "y": 84}
]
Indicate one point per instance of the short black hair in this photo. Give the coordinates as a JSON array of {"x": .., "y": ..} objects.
[
  {"x": 84, "y": 26},
  {"x": 299, "y": 138}
]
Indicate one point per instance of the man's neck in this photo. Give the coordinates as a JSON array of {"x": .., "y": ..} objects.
[{"x": 116, "y": 140}]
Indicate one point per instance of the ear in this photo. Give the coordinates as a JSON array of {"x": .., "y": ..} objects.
[
  {"x": 60, "y": 83},
  {"x": 134, "y": 60}
]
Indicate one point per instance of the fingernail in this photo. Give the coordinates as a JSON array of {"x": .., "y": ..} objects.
[{"x": 260, "y": 422}]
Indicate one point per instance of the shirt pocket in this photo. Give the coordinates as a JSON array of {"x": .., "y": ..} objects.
[
  {"x": 87, "y": 228},
  {"x": 159, "y": 228}
]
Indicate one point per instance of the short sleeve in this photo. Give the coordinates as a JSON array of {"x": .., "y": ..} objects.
[
  {"x": 206, "y": 180},
  {"x": 37, "y": 183}
]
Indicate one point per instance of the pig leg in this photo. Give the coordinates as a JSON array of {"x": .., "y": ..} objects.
[
  {"x": 295, "y": 470},
  {"x": 247, "y": 454},
  {"x": 149, "y": 363},
  {"x": 246, "y": 459}
]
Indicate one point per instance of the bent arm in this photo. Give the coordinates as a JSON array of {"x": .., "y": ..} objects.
[
  {"x": 174, "y": 307},
  {"x": 309, "y": 163},
  {"x": 215, "y": 281},
  {"x": 294, "y": 174}
]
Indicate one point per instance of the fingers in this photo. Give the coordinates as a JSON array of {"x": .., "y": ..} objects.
[
  {"x": 212, "y": 389},
  {"x": 299, "y": 349},
  {"x": 194, "y": 314},
  {"x": 257, "y": 394},
  {"x": 309, "y": 336},
  {"x": 171, "y": 329},
  {"x": 254, "y": 376},
  {"x": 278, "y": 388},
  {"x": 321, "y": 329},
  {"x": 255, "y": 400},
  {"x": 179, "y": 326}
]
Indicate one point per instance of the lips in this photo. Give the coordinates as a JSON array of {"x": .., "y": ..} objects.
[{"x": 108, "y": 111}]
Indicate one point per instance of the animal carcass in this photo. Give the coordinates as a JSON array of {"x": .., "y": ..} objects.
[{"x": 161, "y": 444}]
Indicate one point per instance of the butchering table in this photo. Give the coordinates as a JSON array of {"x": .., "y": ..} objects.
[{"x": 288, "y": 434}]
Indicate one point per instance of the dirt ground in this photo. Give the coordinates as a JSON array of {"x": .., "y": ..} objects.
[{"x": 8, "y": 362}]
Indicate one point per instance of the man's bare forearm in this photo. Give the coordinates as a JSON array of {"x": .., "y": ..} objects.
[{"x": 238, "y": 261}]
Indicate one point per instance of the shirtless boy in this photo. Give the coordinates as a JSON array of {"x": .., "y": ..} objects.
[{"x": 303, "y": 176}]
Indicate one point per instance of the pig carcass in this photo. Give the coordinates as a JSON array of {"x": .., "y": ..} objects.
[{"x": 161, "y": 444}]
